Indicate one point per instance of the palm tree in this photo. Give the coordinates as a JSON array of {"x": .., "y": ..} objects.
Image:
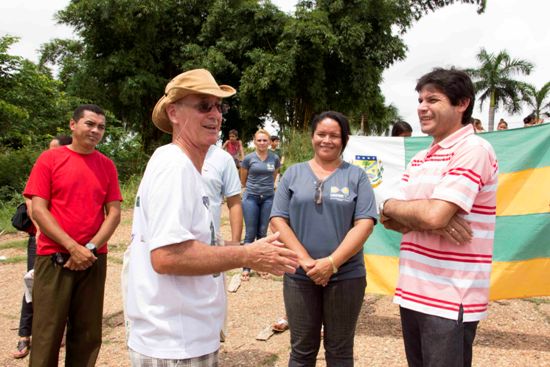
[
  {"x": 539, "y": 100},
  {"x": 494, "y": 80}
]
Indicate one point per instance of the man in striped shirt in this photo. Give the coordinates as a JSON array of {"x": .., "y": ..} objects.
[{"x": 446, "y": 212}]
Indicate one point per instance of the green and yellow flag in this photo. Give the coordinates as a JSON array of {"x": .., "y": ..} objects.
[{"x": 521, "y": 261}]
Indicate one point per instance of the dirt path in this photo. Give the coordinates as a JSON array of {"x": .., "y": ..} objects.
[{"x": 517, "y": 332}]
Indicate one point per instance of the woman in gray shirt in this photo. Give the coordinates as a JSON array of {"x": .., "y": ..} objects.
[
  {"x": 325, "y": 210},
  {"x": 258, "y": 172}
]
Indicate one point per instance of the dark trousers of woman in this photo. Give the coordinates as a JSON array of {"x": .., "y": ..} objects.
[
  {"x": 336, "y": 307},
  {"x": 25, "y": 322}
]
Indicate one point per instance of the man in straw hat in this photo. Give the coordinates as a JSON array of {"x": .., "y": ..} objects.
[{"x": 176, "y": 300}]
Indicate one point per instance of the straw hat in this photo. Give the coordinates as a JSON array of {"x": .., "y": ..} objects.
[{"x": 198, "y": 81}]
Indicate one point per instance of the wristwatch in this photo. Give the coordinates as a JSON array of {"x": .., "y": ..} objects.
[{"x": 92, "y": 247}]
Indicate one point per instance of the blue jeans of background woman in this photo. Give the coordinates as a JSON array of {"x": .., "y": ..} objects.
[
  {"x": 256, "y": 211},
  {"x": 336, "y": 306}
]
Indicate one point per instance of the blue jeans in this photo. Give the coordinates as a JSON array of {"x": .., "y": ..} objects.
[
  {"x": 432, "y": 341},
  {"x": 336, "y": 306},
  {"x": 256, "y": 211}
]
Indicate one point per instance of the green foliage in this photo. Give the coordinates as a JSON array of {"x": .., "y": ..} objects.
[
  {"x": 129, "y": 189},
  {"x": 15, "y": 166},
  {"x": 329, "y": 55},
  {"x": 124, "y": 147},
  {"x": 32, "y": 107},
  {"x": 539, "y": 100},
  {"x": 297, "y": 146},
  {"x": 494, "y": 80},
  {"x": 7, "y": 209}
]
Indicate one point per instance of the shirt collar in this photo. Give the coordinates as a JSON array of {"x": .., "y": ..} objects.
[{"x": 454, "y": 138}]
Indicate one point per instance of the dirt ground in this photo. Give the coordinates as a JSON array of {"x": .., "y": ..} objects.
[{"x": 517, "y": 332}]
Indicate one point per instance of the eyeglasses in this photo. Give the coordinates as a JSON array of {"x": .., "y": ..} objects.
[
  {"x": 206, "y": 107},
  {"x": 319, "y": 192}
]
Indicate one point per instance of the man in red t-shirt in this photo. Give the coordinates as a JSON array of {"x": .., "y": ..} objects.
[{"x": 76, "y": 203}]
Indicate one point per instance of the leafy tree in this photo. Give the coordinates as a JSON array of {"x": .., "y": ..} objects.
[
  {"x": 330, "y": 54},
  {"x": 539, "y": 100},
  {"x": 32, "y": 108},
  {"x": 494, "y": 79}
]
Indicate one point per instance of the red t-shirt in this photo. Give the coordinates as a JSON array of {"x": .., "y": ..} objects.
[{"x": 77, "y": 187}]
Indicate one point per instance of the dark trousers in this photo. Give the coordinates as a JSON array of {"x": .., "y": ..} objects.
[
  {"x": 25, "y": 322},
  {"x": 432, "y": 341},
  {"x": 336, "y": 306},
  {"x": 75, "y": 298}
]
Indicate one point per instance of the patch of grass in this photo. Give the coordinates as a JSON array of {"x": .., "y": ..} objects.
[
  {"x": 14, "y": 244},
  {"x": 270, "y": 360},
  {"x": 115, "y": 260},
  {"x": 537, "y": 300},
  {"x": 14, "y": 260},
  {"x": 117, "y": 247}
]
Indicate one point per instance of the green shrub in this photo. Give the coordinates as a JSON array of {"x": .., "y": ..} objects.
[
  {"x": 6, "y": 212},
  {"x": 15, "y": 167},
  {"x": 125, "y": 150},
  {"x": 297, "y": 147},
  {"x": 129, "y": 189}
]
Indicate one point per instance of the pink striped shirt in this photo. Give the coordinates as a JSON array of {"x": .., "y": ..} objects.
[{"x": 435, "y": 275}]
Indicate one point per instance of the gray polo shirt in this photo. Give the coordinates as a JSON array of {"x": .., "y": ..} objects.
[
  {"x": 260, "y": 180},
  {"x": 346, "y": 196}
]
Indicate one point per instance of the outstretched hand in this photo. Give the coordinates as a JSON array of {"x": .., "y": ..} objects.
[{"x": 270, "y": 255}]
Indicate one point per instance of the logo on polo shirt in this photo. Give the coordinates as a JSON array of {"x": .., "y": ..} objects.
[
  {"x": 372, "y": 167},
  {"x": 337, "y": 193}
]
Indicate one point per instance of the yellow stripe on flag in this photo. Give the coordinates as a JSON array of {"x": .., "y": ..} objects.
[
  {"x": 514, "y": 279},
  {"x": 524, "y": 192},
  {"x": 382, "y": 273},
  {"x": 520, "y": 279}
]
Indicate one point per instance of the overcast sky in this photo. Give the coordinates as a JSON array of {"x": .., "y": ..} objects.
[{"x": 451, "y": 36}]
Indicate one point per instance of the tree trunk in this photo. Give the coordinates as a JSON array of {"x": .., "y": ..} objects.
[{"x": 491, "y": 121}]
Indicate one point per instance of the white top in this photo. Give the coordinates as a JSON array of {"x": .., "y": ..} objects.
[
  {"x": 172, "y": 317},
  {"x": 221, "y": 180}
]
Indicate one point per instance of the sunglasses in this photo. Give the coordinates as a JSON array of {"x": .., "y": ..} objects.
[
  {"x": 319, "y": 192},
  {"x": 206, "y": 107}
]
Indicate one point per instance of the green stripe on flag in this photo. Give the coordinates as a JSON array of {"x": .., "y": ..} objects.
[
  {"x": 414, "y": 145},
  {"x": 520, "y": 149},
  {"x": 518, "y": 237},
  {"x": 516, "y": 149},
  {"x": 522, "y": 237},
  {"x": 383, "y": 242}
]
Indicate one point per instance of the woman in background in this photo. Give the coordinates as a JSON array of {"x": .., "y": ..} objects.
[
  {"x": 401, "y": 128},
  {"x": 258, "y": 172}
]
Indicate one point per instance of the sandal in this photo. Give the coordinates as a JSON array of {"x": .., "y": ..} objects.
[
  {"x": 23, "y": 348},
  {"x": 245, "y": 276},
  {"x": 264, "y": 275},
  {"x": 280, "y": 325}
]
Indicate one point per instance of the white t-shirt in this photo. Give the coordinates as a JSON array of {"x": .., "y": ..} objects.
[
  {"x": 172, "y": 317},
  {"x": 221, "y": 180}
]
